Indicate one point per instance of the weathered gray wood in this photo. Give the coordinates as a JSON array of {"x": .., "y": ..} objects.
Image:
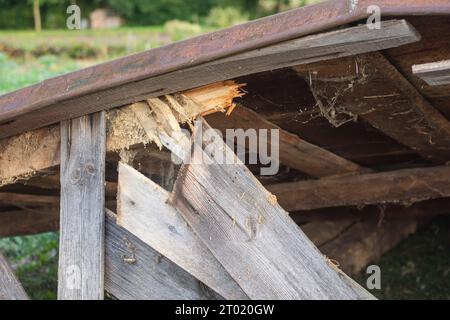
[
  {"x": 406, "y": 185},
  {"x": 80, "y": 273},
  {"x": 135, "y": 271},
  {"x": 10, "y": 287},
  {"x": 251, "y": 235},
  {"x": 434, "y": 73},
  {"x": 320, "y": 47},
  {"x": 143, "y": 210}
]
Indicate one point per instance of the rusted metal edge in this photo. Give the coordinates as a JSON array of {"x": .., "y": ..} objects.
[{"x": 252, "y": 35}]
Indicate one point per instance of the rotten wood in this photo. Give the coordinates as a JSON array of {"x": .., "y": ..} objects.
[
  {"x": 19, "y": 114},
  {"x": 218, "y": 201},
  {"x": 82, "y": 220},
  {"x": 400, "y": 186},
  {"x": 143, "y": 210},
  {"x": 36, "y": 152},
  {"x": 10, "y": 287},
  {"x": 135, "y": 271}
]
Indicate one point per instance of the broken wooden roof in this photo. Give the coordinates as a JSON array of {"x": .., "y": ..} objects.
[
  {"x": 178, "y": 66},
  {"x": 347, "y": 101}
]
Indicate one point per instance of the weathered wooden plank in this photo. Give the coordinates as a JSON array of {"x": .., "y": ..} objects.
[
  {"x": 373, "y": 89},
  {"x": 434, "y": 74},
  {"x": 294, "y": 151},
  {"x": 143, "y": 210},
  {"x": 135, "y": 271},
  {"x": 25, "y": 222},
  {"x": 406, "y": 185},
  {"x": 81, "y": 253},
  {"x": 10, "y": 287},
  {"x": 251, "y": 235},
  {"x": 329, "y": 45},
  {"x": 366, "y": 241}
]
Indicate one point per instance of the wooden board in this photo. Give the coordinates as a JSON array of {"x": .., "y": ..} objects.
[
  {"x": 251, "y": 235},
  {"x": 10, "y": 287},
  {"x": 324, "y": 46},
  {"x": 81, "y": 248},
  {"x": 143, "y": 210},
  {"x": 401, "y": 186},
  {"x": 434, "y": 73},
  {"x": 135, "y": 271}
]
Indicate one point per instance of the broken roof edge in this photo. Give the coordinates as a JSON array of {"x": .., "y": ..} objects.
[{"x": 205, "y": 48}]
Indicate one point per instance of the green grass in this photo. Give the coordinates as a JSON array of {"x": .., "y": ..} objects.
[{"x": 35, "y": 260}]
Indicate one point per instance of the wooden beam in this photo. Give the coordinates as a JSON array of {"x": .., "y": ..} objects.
[
  {"x": 26, "y": 222},
  {"x": 366, "y": 241},
  {"x": 69, "y": 101},
  {"x": 81, "y": 249},
  {"x": 294, "y": 151},
  {"x": 27, "y": 199},
  {"x": 434, "y": 73},
  {"x": 236, "y": 217},
  {"x": 10, "y": 287},
  {"x": 370, "y": 87},
  {"x": 407, "y": 186},
  {"x": 143, "y": 210},
  {"x": 135, "y": 271},
  {"x": 423, "y": 209}
]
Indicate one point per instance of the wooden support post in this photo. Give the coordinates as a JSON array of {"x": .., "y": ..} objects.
[
  {"x": 10, "y": 287},
  {"x": 82, "y": 217}
]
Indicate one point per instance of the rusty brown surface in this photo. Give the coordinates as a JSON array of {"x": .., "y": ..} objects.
[{"x": 205, "y": 48}]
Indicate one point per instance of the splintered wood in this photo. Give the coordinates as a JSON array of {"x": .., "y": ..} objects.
[{"x": 37, "y": 151}]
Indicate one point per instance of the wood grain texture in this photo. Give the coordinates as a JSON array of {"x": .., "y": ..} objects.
[
  {"x": 294, "y": 151},
  {"x": 434, "y": 73},
  {"x": 135, "y": 271},
  {"x": 82, "y": 220},
  {"x": 251, "y": 235},
  {"x": 406, "y": 185},
  {"x": 373, "y": 89},
  {"x": 325, "y": 46},
  {"x": 143, "y": 210},
  {"x": 10, "y": 287}
]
